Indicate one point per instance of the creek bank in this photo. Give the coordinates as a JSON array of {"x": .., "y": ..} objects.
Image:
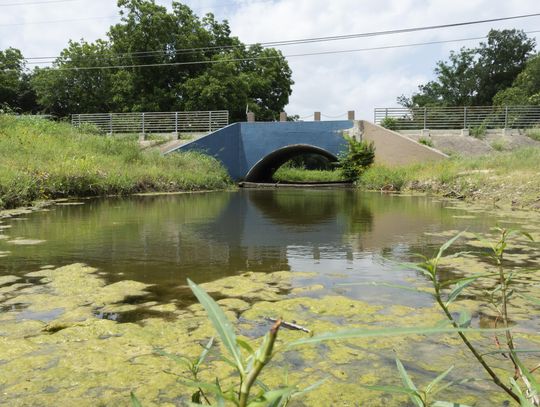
[
  {"x": 508, "y": 180},
  {"x": 44, "y": 160}
]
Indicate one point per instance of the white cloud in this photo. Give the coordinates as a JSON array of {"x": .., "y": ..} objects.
[{"x": 331, "y": 84}]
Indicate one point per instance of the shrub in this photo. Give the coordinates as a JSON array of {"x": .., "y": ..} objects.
[
  {"x": 479, "y": 131},
  {"x": 390, "y": 123},
  {"x": 357, "y": 159}
]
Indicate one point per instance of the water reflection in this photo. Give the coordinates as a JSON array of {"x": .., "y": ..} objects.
[{"x": 164, "y": 239}]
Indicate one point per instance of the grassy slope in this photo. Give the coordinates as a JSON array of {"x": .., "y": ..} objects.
[
  {"x": 293, "y": 174},
  {"x": 40, "y": 159},
  {"x": 502, "y": 177}
]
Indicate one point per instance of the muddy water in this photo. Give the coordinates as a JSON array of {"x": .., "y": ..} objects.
[{"x": 311, "y": 256}]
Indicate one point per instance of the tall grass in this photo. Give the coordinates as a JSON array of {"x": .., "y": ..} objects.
[
  {"x": 295, "y": 174},
  {"x": 40, "y": 159},
  {"x": 497, "y": 174}
]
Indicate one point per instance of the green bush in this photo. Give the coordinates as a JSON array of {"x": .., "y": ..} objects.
[
  {"x": 479, "y": 131},
  {"x": 390, "y": 123},
  {"x": 357, "y": 159}
]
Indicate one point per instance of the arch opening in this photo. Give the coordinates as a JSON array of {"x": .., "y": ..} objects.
[{"x": 265, "y": 168}]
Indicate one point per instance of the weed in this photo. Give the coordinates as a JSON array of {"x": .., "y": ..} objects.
[
  {"x": 479, "y": 131},
  {"x": 498, "y": 145},
  {"x": 390, "y": 123},
  {"x": 426, "y": 141}
]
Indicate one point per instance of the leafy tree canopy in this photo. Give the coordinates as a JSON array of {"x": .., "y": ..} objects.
[
  {"x": 195, "y": 64},
  {"x": 473, "y": 76},
  {"x": 526, "y": 87},
  {"x": 15, "y": 91}
]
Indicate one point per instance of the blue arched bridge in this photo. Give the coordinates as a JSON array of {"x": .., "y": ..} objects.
[{"x": 254, "y": 151}]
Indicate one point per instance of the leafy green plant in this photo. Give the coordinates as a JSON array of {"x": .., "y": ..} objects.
[
  {"x": 358, "y": 158},
  {"x": 479, "y": 131},
  {"x": 426, "y": 141},
  {"x": 422, "y": 397},
  {"x": 390, "y": 123}
]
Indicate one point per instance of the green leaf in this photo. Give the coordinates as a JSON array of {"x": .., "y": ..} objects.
[
  {"x": 447, "y": 244},
  {"x": 221, "y": 324},
  {"x": 523, "y": 401},
  {"x": 407, "y": 381},
  {"x": 458, "y": 288},
  {"x": 135, "y": 401},
  {"x": 245, "y": 345},
  {"x": 525, "y": 372},
  {"x": 203, "y": 354},
  {"x": 370, "y": 333},
  {"x": 272, "y": 397},
  {"x": 437, "y": 380}
]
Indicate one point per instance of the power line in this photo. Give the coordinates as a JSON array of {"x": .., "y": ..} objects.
[
  {"x": 208, "y": 62},
  {"x": 57, "y": 21},
  {"x": 320, "y": 39},
  {"x": 35, "y": 2}
]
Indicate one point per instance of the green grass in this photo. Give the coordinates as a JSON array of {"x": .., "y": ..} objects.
[
  {"x": 499, "y": 176},
  {"x": 40, "y": 159},
  {"x": 294, "y": 174},
  {"x": 534, "y": 133}
]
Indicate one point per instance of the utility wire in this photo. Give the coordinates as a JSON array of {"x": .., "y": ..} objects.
[
  {"x": 319, "y": 39},
  {"x": 57, "y": 21},
  {"x": 35, "y": 2},
  {"x": 89, "y": 68}
]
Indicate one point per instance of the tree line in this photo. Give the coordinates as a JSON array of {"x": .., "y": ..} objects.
[
  {"x": 196, "y": 64},
  {"x": 504, "y": 70}
]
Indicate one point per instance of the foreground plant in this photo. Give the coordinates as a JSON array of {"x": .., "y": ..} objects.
[
  {"x": 446, "y": 292},
  {"x": 422, "y": 397}
]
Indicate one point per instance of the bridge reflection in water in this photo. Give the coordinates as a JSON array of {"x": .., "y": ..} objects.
[{"x": 164, "y": 239}]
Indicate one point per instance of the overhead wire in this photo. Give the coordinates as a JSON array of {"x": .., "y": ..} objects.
[
  {"x": 310, "y": 40},
  {"x": 86, "y": 68},
  {"x": 31, "y": 3}
]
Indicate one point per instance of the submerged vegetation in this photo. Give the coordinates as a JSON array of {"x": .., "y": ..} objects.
[
  {"x": 40, "y": 159},
  {"x": 504, "y": 178}
]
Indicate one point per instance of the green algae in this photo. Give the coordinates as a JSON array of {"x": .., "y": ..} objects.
[{"x": 78, "y": 358}]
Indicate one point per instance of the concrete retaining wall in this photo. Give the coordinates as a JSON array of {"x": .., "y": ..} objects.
[{"x": 394, "y": 149}]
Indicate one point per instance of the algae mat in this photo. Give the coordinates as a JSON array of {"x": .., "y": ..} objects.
[{"x": 56, "y": 351}]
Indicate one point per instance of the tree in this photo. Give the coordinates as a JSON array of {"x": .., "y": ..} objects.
[
  {"x": 526, "y": 87},
  {"x": 15, "y": 90},
  {"x": 191, "y": 63},
  {"x": 473, "y": 76},
  {"x": 66, "y": 88}
]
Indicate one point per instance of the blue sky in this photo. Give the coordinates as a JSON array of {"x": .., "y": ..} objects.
[{"x": 331, "y": 84}]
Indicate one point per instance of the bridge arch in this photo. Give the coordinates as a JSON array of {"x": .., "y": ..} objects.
[{"x": 264, "y": 169}]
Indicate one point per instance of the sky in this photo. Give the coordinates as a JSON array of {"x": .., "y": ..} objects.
[{"x": 331, "y": 84}]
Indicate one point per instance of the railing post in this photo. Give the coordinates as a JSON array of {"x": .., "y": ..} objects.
[
  {"x": 425, "y": 118},
  {"x": 317, "y": 116},
  {"x": 385, "y": 113},
  {"x": 210, "y": 121},
  {"x": 176, "y": 123},
  {"x": 142, "y": 128},
  {"x": 110, "y": 124},
  {"x": 465, "y": 117},
  {"x": 350, "y": 115},
  {"x": 505, "y": 117}
]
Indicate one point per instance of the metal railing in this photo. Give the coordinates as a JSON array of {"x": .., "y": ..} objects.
[
  {"x": 154, "y": 122},
  {"x": 489, "y": 117}
]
